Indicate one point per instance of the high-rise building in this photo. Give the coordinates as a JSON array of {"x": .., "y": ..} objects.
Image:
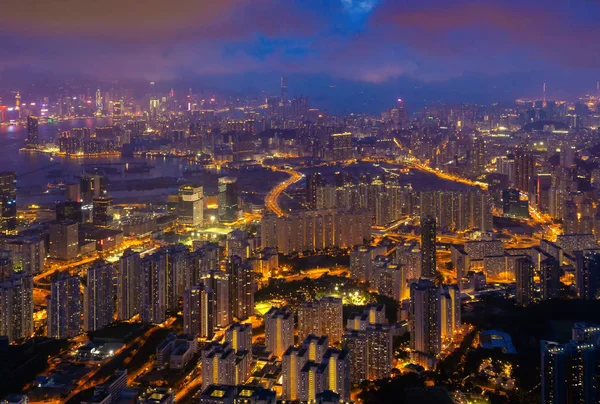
[
  {"x": 279, "y": 330},
  {"x": 154, "y": 108},
  {"x": 478, "y": 155},
  {"x": 338, "y": 377},
  {"x": 450, "y": 311},
  {"x": 550, "y": 278},
  {"x": 239, "y": 336},
  {"x": 64, "y": 307},
  {"x": 309, "y": 320},
  {"x": 284, "y": 91},
  {"x": 153, "y": 290},
  {"x": 313, "y": 368},
  {"x": 428, "y": 247},
  {"x": 218, "y": 365},
  {"x": 6, "y": 264},
  {"x": 64, "y": 240},
  {"x": 228, "y": 201},
  {"x": 241, "y": 287},
  {"x": 69, "y": 211},
  {"x": 524, "y": 169},
  {"x": 340, "y": 146},
  {"x": 32, "y": 132},
  {"x": 380, "y": 352},
  {"x": 323, "y": 317},
  {"x": 90, "y": 187},
  {"x": 331, "y": 315},
  {"x": 190, "y": 205},
  {"x": 425, "y": 318},
  {"x": 570, "y": 371},
  {"x": 356, "y": 343},
  {"x": 368, "y": 339},
  {"x": 238, "y": 244},
  {"x": 315, "y": 230},
  {"x": 28, "y": 253},
  {"x": 98, "y": 102},
  {"x": 199, "y": 312},
  {"x": 292, "y": 362},
  {"x": 103, "y": 214},
  {"x": 16, "y": 303},
  {"x": 524, "y": 271},
  {"x": 117, "y": 112},
  {"x": 512, "y": 205},
  {"x": 98, "y": 294},
  {"x": 129, "y": 285},
  {"x": 313, "y": 182},
  {"x": 219, "y": 282},
  {"x": 8, "y": 201},
  {"x": 587, "y": 276}
]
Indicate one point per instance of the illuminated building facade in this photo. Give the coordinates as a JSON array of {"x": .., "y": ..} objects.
[
  {"x": 98, "y": 295},
  {"x": 279, "y": 330},
  {"x": 64, "y": 307}
]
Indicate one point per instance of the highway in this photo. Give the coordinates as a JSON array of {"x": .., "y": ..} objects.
[{"x": 272, "y": 198}]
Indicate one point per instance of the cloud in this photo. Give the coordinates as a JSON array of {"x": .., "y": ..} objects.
[
  {"x": 359, "y": 6},
  {"x": 469, "y": 28},
  {"x": 371, "y": 41},
  {"x": 152, "y": 21}
]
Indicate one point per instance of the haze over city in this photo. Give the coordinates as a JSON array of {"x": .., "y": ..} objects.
[{"x": 315, "y": 202}]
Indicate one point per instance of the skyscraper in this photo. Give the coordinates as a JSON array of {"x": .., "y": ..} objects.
[
  {"x": 28, "y": 253},
  {"x": 356, "y": 343},
  {"x": 153, "y": 288},
  {"x": 64, "y": 307},
  {"x": 428, "y": 247},
  {"x": 550, "y": 278},
  {"x": 524, "y": 274},
  {"x": 190, "y": 205},
  {"x": 368, "y": 339},
  {"x": 239, "y": 336},
  {"x": 117, "y": 112},
  {"x": 279, "y": 330},
  {"x": 284, "y": 91},
  {"x": 98, "y": 296},
  {"x": 103, "y": 215},
  {"x": 340, "y": 146},
  {"x": 129, "y": 285},
  {"x": 32, "y": 132},
  {"x": 69, "y": 210},
  {"x": 8, "y": 201},
  {"x": 228, "y": 202},
  {"x": 570, "y": 371},
  {"x": 309, "y": 319},
  {"x": 218, "y": 365},
  {"x": 64, "y": 240},
  {"x": 425, "y": 327},
  {"x": 478, "y": 155},
  {"x": 98, "y": 102},
  {"x": 218, "y": 281},
  {"x": 313, "y": 182},
  {"x": 524, "y": 169},
  {"x": 587, "y": 275},
  {"x": 199, "y": 312},
  {"x": 332, "y": 319},
  {"x": 380, "y": 352},
  {"x": 241, "y": 287},
  {"x": 16, "y": 303},
  {"x": 323, "y": 317}
]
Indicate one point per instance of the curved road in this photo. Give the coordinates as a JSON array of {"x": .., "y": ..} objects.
[{"x": 272, "y": 198}]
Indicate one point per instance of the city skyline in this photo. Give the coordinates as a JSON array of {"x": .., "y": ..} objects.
[
  {"x": 348, "y": 55},
  {"x": 337, "y": 201}
]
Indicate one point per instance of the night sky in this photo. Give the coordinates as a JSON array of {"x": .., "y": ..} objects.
[{"x": 480, "y": 50}]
